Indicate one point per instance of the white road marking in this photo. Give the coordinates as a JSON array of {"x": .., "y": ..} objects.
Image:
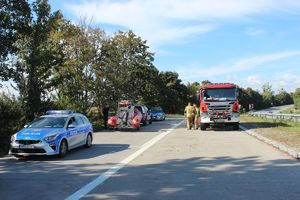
[{"x": 106, "y": 175}]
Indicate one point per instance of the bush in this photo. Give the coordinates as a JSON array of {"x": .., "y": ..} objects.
[
  {"x": 10, "y": 120},
  {"x": 297, "y": 103}
]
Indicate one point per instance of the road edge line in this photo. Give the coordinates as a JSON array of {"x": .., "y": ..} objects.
[
  {"x": 277, "y": 145},
  {"x": 106, "y": 175}
]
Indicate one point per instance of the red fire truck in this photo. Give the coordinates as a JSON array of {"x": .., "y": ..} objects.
[{"x": 219, "y": 105}]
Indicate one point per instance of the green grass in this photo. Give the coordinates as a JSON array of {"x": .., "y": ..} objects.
[
  {"x": 291, "y": 111},
  {"x": 282, "y": 131},
  {"x": 272, "y": 123}
]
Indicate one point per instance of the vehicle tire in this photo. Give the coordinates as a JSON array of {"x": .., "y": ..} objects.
[
  {"x": 236, "y": 126},
  {"x": 150, "y": 121},
  {"x": 203, "y": 127},
  {"x": 89, "y": 140},
  {"x": 145, "y": 123},
  {"x": 63, "y": 148}
]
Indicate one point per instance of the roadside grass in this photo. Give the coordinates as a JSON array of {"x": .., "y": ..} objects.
[
  {"x": 283, "y": 131},
  {"x": 291, "y": 110}
]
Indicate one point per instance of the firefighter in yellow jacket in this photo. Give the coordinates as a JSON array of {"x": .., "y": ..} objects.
[
  {"x": 197, "y": 115},
  {"x": 189, "y": 113}
]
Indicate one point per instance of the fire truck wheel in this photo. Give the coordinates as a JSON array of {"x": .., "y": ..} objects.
[
  {"x": 203, "y": 127},
  {"x": 138, "y": 128}
]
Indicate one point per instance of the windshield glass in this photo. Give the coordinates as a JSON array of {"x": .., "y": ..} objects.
[
  {"x": 156, "y": 109},
  {"x": 49, "y": 122},
  {"x": 219, "y": 94}
]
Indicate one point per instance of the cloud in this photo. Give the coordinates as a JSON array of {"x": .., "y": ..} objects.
[
  {"x": 255, "y": 31},
  {"x": 163, "y": 21},
  {"x": 197, "y": 71}
]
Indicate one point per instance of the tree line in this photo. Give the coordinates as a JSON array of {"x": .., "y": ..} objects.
[{"x": 55, "y": 64}]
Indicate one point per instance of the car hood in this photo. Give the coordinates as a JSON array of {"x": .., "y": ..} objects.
[
  {"x": 36, "y": 133},
  {"x": 158, "y": 113}
]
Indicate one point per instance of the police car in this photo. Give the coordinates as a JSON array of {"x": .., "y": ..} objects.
[{"x": 53, "y": 134}]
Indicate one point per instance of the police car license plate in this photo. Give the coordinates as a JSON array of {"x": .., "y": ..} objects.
[{"x": 23, "y": 146}]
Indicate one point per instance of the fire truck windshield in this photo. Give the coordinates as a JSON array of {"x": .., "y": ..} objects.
[{"x": 221, "y": 94}]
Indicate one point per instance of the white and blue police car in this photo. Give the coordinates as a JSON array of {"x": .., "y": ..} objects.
[{"x": 53, "y": 134}]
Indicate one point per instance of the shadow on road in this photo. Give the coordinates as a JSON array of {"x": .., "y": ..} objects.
[
  {"x": 205, "y": 178},
  {"x": 80, "y": 153}
]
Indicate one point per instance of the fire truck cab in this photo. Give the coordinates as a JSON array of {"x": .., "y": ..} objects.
[{"x": 219, "y": 105}]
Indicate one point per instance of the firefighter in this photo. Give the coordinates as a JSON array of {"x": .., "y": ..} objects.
[
  {"x": 197, "y": 115},
  {"x": 189, "y": 113}
]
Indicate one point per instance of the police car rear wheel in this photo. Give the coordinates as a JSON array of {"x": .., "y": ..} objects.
[
  {"x": 89, "y": 140},
  {"x": 63, "y": 148}
]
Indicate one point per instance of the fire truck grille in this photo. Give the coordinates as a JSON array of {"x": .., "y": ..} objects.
[{"x": 219, "y": 108}]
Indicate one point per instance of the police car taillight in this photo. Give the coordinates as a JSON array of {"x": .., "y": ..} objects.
[{"x": 53, "y": 112}]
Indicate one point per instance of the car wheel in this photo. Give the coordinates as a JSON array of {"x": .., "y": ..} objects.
[
  {"x": 138, "y": 128},
  {"x": 203, "y": 127},
  {"x": 236, "y": 126},
  {"x": 89, "y": 141},
  {"x": 63, "y": 148},
  {"x": 150, "y": 121},
  {"x": 145, "y": 122}
]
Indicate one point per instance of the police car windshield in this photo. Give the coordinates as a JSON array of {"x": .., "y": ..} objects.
[
  {"x": 219, "y": 94},
  {"x": 49, "y": 122}
]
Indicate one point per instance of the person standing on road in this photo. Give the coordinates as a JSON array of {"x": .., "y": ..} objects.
[
  {"x": 105, "y": 111},
  {"x": 189, "y": 113},
  {"x": 197, "y": 115}
]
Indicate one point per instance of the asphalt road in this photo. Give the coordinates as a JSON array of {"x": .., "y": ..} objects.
[
  {"x": 275, "y": 109},
  {"x": 157, "y": 163}
]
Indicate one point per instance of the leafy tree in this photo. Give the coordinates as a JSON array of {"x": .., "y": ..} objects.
[
  {"x": 174, "y": 92},
  {"x": 193, "y": 91},
  {"x": 15, "y": 17},
  {"x": 125, "y": 70},
  {"x": 283, "y": 98},
  {"x": 37, "y": 58},
  {"x": 206, "y": 82},
  {"x": 80, "y": 49},
  {"x": 250, "y": 96},
  {"x": 296, "y": 96},
  {"x": 268, "y": 95},
  {"x": 10, "y": 119}
]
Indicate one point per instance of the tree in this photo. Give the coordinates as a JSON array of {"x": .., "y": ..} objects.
[
  {"x": 15, "y": 17},
  {"x": 283, "y": 98},
  {"x": 125, "y": 71},
  {"x": 268, "y": 95},
  {"x": 174, "y": 93},
  {"x": 80, "y": 45},
  {"x": 206, "y": 82},
  {"x": 36, "y": 59},
  {"x": 250, "y": 96},
  {"x": 296, "y": 97},
  {"x": 193, "y": 92}
]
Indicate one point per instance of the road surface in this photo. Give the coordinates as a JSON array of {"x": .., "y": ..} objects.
[
  {"x": 275, "y": 109},
  {"x": 158, "y": 162}
]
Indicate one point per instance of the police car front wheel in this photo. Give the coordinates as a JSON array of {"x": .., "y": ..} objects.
[
  {"x": 63, "y": 148},
  {"x": 89, "y": 140}
]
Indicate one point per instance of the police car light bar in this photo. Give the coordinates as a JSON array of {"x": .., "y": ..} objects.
[{"x": 52, "y": 112}]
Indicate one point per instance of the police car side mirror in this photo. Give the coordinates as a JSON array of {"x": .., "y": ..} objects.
[{"x": 71, "y": 126}]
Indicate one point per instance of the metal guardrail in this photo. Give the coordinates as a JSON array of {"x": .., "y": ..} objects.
[{"x": 277, "y": 116}]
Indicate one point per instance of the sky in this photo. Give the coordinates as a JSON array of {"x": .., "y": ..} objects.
[{"x": 249, "y": 42}]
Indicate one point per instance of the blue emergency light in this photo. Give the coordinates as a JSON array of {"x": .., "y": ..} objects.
[{"x": 53, "y": 112}]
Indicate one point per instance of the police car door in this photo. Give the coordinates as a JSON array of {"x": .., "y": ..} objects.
[
  {"x": 82, "y": 132},
  {"x": 72, "y": 134}
]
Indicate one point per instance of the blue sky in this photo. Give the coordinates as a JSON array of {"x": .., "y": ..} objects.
[{"x": 247, "y": 42}]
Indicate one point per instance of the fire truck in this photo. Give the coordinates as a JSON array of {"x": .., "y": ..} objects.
[{"x": 219, "y": 106}]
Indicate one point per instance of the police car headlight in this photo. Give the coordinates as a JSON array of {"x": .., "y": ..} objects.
[
  {"x": 13, "y": 138},
  {"x": 50, "y": 138}
]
